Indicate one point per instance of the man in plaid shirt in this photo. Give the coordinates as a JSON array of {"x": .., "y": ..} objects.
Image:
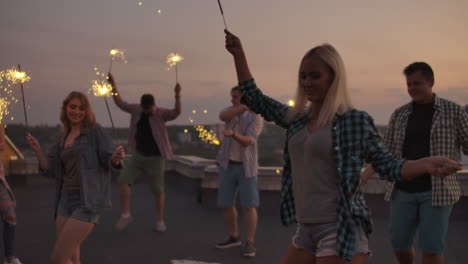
[{"x": 427, "y": 126}]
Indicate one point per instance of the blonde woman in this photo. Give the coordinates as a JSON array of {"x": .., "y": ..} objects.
[
  {"x": 327, "y": 142},
  {"x": 7, "y": 210},
  {"x": 81, "y": 162}
]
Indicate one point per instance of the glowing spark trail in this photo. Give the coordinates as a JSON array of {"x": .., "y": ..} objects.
[
  {"x": 7, "y": 79},
  {"x": 3, "y": 108},
  {"x": 206, "y": 135}
]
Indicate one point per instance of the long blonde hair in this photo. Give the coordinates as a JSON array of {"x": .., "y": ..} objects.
[
  {"x": 337, "y": 99},
  {"x": 89, "y": 119}
]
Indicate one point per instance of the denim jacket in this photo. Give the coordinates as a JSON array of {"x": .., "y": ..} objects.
[{"x": 94, "y": 167}]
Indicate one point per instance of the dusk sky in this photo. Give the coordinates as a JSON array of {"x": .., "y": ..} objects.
[{"x": 59, "y": 42}]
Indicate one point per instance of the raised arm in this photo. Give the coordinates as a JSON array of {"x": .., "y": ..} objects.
[
  {"x": 177, "y": 104},
  {"x": 116, "y": 95},
  {"x": 234, "y": 46},
  {"x": 270, "y": 109}
]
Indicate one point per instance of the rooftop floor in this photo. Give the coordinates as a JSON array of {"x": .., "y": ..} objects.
[{"x": 193, "y": 228}]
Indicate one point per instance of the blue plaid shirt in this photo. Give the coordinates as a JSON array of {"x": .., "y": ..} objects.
[{"x": 355, "y": 140}]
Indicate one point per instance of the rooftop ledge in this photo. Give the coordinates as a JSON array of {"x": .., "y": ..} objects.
[{"x": 206, "y": 170}]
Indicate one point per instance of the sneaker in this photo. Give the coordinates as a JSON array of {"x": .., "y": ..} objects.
[
  {"x": 249, "y": 250},
  {"x": 160, "y": 227},
  {"x": 229, "y": 242},
  {"x": 13, "y": 261},
  {"x": 123, "y": 222}
]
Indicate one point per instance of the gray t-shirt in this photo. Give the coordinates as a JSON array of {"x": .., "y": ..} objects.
[{"x": 314, "y": 175}]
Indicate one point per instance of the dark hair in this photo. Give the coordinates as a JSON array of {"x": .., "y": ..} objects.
[
  {"x": 146, "y": 101},
  {"x": 422, "y": 67},
  {"x": 235, "y": 88}
]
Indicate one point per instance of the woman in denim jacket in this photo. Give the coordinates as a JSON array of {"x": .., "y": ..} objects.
[
  {"x": 326, "y": 146},
  {"x": 81, "y": 161}
]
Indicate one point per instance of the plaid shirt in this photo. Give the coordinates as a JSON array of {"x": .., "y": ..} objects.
[
  {"x": 355, "y": 140},
  {"x": 449, "y": 135}
]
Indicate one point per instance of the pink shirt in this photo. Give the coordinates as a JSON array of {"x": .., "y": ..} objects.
[{"x": 157, "y": 119}]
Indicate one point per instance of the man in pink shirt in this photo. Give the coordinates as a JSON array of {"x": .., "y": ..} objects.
[{"x": 149, "y": 143}]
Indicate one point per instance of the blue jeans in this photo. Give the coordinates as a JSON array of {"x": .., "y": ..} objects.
[{"x": 408, "y": 211}]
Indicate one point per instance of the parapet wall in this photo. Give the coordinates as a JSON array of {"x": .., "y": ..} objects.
[{"x": 269, "y": 178}]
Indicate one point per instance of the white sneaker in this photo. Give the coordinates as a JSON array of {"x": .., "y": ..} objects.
[
  {"x": 160, "y": 227},
  {"x": 13, "y": 261}
]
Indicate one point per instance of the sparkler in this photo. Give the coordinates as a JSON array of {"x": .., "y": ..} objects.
[
  {"x": 173, "y": 59},
  {"x": 103, "y": 89},
  {"x": 291, "y": 103},
  {"x": 20, "y": 77},
  {"x": 7, "y": 79},
  {"x": 116, "y": 54},
  {"x": 222, "y": 13}
]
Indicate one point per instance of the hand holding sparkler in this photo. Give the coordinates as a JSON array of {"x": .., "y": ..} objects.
[
  {"x": 118, "y": 156},
  {"x": 233, "y": 44}
]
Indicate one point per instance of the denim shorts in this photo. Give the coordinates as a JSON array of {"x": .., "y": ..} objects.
[
  {"x": 232, "y": 180},
  {"x": 70, "y": 206},
  {"x": 408, "y": 211},
  {"x": 320, "y": 239}
]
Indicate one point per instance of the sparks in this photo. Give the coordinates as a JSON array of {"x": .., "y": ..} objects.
[
  {"x": 15, "y": 76},
  {"x": 4, "y": 103},
  {"x": 291, "y": 103},
  {"x": 101, "y": 89},
  {"x": 206, "y": 135},
  {"x": 117, "y": 54},
  {"x": 173, "y": 59}
]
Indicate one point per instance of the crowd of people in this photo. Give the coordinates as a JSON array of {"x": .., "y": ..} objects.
[{"x": 331, "y": 149}]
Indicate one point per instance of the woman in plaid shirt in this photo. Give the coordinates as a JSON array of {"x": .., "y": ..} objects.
[{"x": 327, "y": 144}]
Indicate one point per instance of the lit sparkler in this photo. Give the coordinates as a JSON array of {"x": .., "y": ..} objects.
[
  {"x": 291, "y": 103},
  {"x": 116, "y": 54},
  {"x": 7, "y": 79},
  {"x": 173, "y": 59},
  {"x": 18, "y": 76},
  {"x": 103, "y": 89}
]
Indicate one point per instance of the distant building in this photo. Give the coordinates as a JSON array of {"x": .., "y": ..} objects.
[{"x": 10, "y": 152}]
